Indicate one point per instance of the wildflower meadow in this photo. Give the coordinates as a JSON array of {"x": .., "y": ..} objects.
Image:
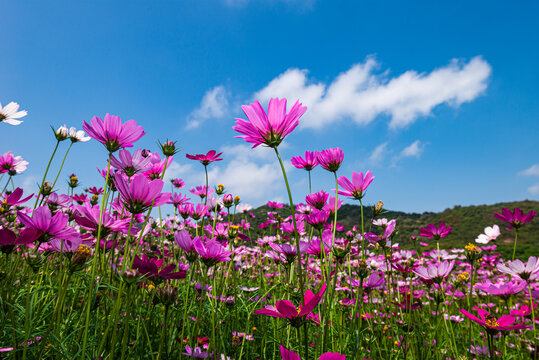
[{"x": 127, "y": 269}]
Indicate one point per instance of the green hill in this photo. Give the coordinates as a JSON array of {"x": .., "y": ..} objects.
[{"x": 467, "y": 223}]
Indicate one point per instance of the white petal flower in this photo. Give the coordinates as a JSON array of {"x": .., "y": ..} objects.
[
  {"x": 10, "y": 112},
  {"x": 77, "y": 136},
  {"x": 490, "y": 233}
]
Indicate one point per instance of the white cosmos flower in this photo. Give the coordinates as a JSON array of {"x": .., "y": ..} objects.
[
  {"x": 10, "y": 112},
  {"x": 491, "y": 233},
  {"x": 380, "y": 222},
  {"x": 76, "y": 136}
]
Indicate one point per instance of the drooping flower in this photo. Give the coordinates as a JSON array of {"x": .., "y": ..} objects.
[
  {"x": 151, "y": 268},
  {"x": 10, "y": 113},
  {"x": 330, "y": 159},
  {"x": 490, "y": 233},
  {"x": 308, "y": 163},
  {"x": 112, "y": 133},
  {"x": 285, "y": 309},
  {"x": 184, "y": 241},
  {"x": 491, "y": 324},
  {"x": 141, "y": 193},
  {"x": 516, "y": 218},
  {"x": 290, "y": 355},
  {"x": 375, "y": 280},
  {"x": 436, "y": 233},
  {"x": 271, "y": 128},
  {"x": 435, "y": 272},
  {"x": 355, "y": 188},
  {"x": 210, "y": 157},
  {"x": 528, "y": 271}
]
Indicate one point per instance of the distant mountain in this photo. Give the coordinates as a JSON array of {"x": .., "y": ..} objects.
[{"x": 467, "y": 223}]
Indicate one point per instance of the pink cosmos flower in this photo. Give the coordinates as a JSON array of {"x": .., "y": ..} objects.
[
  {"x": 211, "y": 252},
  {"x": 201, "y": 190},
  {"x": 271, "y": 128},
  {"x": 308, "y": 163},
  {"x": 516, "y": 218},
  {"x": 141, "y": 193},
  {"x": 435, "y": 272},
  {"x": 8, "y": 239},
  {"x": 504, "y": 290},
  {"x": 88, "y": 218},
  {"x": 130, "y": 164},
  {"x": 355, "y": 188},
  {"x": 112, "y": 133},
  {"x": 177, "y": 183},
  {"x": 211, "y": 156},
  {"x": 528, "y": 271},
  {"x": 286, "y": 310},
  {"x": 151, "y": 267},
  {"x": 274, "y": 205},
  {"x": 48, "y": 226},
  {"x": 12, "y": 165},
  {"x": 290, "y": 355},
  {"x": 289, "y": 251},
  {"x": 317, "y": 200},
  {"x": 178, "y": 199},
  {"x": 330, "y": 159},
  {"x": 491, "y": 324},
  {"x": 431, "y": 232},
  {"x": 12, "y": 199}
]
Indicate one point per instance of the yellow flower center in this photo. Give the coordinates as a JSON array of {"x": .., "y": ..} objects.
[{"x": 492, "y": 322}]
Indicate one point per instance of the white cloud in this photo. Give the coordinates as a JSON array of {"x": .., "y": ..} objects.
[
  {"x": 378, "y": 154},
  {"x": 30, "y": 184},
  {"x": 214, "y": 104},
  {"x": 361, "y": 94},
  {"x": 534, "y": 189},
  {"x": 531, "y": 171},
  {"x": 415, "y": 149}
]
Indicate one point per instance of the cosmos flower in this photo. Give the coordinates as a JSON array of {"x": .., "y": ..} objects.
[
  {"x": 12, "y": 199},
  {"x": 355, "y": 188},
  {"x": 47, "y": 226},
  {"x": 435, "y": 272},
  {"x": 210, "y": 157},
  {"x": 308, "y": 163},
  {"x": 317, "y": 200},
  {"x": 77, "y": 136},
  {"x": 151, "y": 268},
  {"x": 112, "y": 133},
  {"x": 10, "y": 113},
  {"x": 196, "y": 352},
  {"x": 88, "y": 217},
  {"x": 285, "y": 309},
  {"x": 330, "y": 159},
  {"x": 528, "y": 271},
  {"x": 271, "y": 128},
  {"x": 130, "y": 164},
  {"x": 491, "y": 324},
  {"x": 201, "y": 190},
  {"x": 8, "y": 239},
  {"x": 211, "y": 252},
  {"x": 432, "y": 232},
  {"x": 140, "y": 194},
  {"x": 516, "y": 218},
  {"x": 290, "y": 355},
  {"x": 503, "y": 289},
  {"x": 12, "y": 165},
  {"x": 490, "y": 233}
]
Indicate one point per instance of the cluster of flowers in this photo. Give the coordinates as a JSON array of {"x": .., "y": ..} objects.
[{"x": 200, "y": 283}]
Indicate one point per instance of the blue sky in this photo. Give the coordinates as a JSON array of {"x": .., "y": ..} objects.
[{"x": 438, "y": 99}]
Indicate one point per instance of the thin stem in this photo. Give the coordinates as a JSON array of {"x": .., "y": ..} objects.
[
  {"x": 46, "y": 171},
  {"x": 62, "y": 165},
  {"x": 515, "y": 244}
]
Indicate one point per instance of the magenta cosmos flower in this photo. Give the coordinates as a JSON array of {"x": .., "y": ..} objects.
[
  {"x": 112, "y": 133},
  {"x": 211, "y": 252},
  {"x": 308, "y": 163},
  {"x": 12, "y": 199},
  {"x": 8, "y": 239},
  {"x": 211, "y": 156},
  {"x": 516, "y": 218},
  {"x": 286, "y": 310},
  {"x": 435, "y": 272},
  {"x": 12, "y": 165},
  {"x": 88, "y": 218},
  {"x": 355, "y": 188},
  {"x": 491, "y": 324},
  {"x": 47, "y": 226},
  {"x": 141, "y": 193},
  {"x": 432, "y": 232},
  {"x": 503, "y": 290},
  {"x": 271, "y": 128},
  {"x": 528, "y": 271},
  {"x": 130, "y": 164},
  {"x": 290, "y": 355},
  {"x": 330, "y": 159},
  {"x": 151, "y": 268}
]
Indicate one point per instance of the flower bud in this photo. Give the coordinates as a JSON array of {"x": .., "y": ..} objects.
[
  {"x": 80, "y": 257},
  {"x": 220, "y": 189},
  {"x": 228, "y": 200},
  {"x": 62, "y": 133},
  {"x": 168, "y": 148}
]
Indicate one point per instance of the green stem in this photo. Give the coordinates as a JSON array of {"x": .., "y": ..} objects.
[
  {"x": 46, "y": 171},
  {"x": 515, "y": 244},
  {"x": 62, "y": 165}
]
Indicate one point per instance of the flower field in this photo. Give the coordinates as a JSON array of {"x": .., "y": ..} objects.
[{"x": 106, "y": 274}]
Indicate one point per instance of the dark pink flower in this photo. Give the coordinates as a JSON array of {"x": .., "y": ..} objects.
[
  {"x": 88, "y": 217},
  {"x": 112, "y": 133},
  {"x": 8, "y": 239},
  {"x": 151, "y": 268},
  {"x": 130, "y": 164},
  {"x": 516, "y": 218},
  {"x": 211, "y": 156},
  {"x": 317, "y": 200},
  {"x": 12, "y": 199},
  {"x": 290, "y": 355},
  {"x": 211, "y": 252},
  {"x": 355, "y": 188},
  {"x": 431, "y": 232},
  {"x": 48, "y": 226},
  {"x": 491, "y": 324},
  {"x": 141, "y": 193},
  {"x": 286, "y": 310},
  {"x": 330, "y": 159},
  {"x": 271, "y": 128},
  {"x": 308, "y": 163}
]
